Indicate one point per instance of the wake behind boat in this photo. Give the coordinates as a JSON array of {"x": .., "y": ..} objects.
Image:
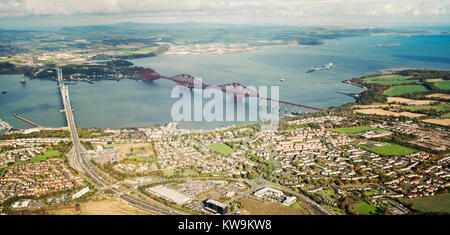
[{"x": 323, "y": 67}]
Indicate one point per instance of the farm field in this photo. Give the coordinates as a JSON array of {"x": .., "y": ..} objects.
[
  {"x": 401, "y": 100},
  {"x": 389, "y": 113},
  {"x": 444, "y": 85},
  {"x": 365, "y": 208},
  {"x": 440, "y": 108},
  {"x": 406, "y": 89},
  {"x": 370, "y": 106},
  {"x": 447, "y": 115},
  {"x": 354, "y": 130},
  {"x": 437, "y": 203},
  {"x": 434, "y": 80},
  {"x": 97, "y": 207},
  {"x": 443, "y": 122},
  {"x": 439, "y": 95},
  {"x": 389, "y": 80},
  {"x": 389, "y": 149},
  {"x": 221, "y": 148}
]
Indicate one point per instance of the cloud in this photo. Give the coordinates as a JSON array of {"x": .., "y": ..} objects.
[{"x": 291, "y": 8}]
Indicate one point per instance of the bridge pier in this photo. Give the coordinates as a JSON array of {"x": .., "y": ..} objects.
[
  {"x": 285, "y": 108},
  {"x": 292, "y": 109}
]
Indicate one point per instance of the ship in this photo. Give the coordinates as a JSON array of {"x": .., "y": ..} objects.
[
  {"x": 3, "y": 92},
  {"x": 22, "y": 78},
  {"x": 282, "y": 79},
  {"x": 323, "y": 67}
]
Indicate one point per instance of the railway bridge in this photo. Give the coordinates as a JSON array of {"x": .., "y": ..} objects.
[{"x": 234, "y": 90}]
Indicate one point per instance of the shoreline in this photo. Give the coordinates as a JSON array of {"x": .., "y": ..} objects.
[
  {"x": 4, "y": 125},
  {"x": 347, "y": 81}
]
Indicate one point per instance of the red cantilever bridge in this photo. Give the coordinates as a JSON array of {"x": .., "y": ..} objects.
[{"x": 235, "y": 90}]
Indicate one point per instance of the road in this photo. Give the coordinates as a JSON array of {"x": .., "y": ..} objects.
[
  {"x": 254, "y": 184},
  {"x": 78, "y": 160}
]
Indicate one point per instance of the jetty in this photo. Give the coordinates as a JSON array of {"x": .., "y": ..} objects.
[{"x": 26, "y": 120}]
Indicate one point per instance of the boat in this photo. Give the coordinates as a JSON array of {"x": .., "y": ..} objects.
[
  {"x": 328, "y": 66},
  {"x": 323, "y": 67},
  {"x": 4, "y": 92},
  {"x": 282, "y": 79}
]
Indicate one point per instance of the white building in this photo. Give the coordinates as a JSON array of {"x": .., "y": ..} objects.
[
  {"x": 80, "y": 193},
  {"x": 289, "y": 200}
]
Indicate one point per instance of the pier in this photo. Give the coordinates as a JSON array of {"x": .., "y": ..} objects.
[{"x": 26, "y": 120}]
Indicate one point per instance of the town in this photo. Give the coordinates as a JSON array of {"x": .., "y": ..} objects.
[{"x": 331, "y": 162}]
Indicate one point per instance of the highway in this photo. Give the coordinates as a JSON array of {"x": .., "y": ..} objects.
[{"x": 78, "y": 160}]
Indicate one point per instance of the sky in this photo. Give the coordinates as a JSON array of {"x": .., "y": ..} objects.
[{"x": 283, "y": 12}]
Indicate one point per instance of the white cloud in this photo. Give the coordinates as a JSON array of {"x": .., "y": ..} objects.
[{"x": 290, "y": 8}]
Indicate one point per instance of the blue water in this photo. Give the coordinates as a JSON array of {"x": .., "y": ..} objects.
[{"x": 130, "y": 103}]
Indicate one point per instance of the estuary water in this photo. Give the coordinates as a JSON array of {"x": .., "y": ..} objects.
[{"x": 131, "y": 103}]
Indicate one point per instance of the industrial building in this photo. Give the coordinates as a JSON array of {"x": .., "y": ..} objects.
[
  {"x": 216, "y": 206},
  {"x": 169, "y": 194}
]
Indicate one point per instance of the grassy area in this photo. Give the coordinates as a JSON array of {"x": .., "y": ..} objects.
[
  {"x": 434, "y": 80},
  {"x": 188, "y": 172},
  {"x": 389, "y": 80},
  {"x": 437, "y": 204},
  {"x": 275, "y": 184},
  {"x": 355, "y": 130},
  {"x": 43, "y": 157},
  {"x": 327, "y": 192},
  {"x": 167, "y": 172},
  {"x": 389, "y": 149},
  {"x": 407, "y": 89},
  {"x": 365, "y": 208},
  {"x": 439, "y": 108},
  {"x": 444, "y": 85},
  {"x": 221, "y": 148},
  {"x": 447, "y": 115}
]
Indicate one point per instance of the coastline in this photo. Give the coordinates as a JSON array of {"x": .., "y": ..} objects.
[
  {"x": 4, "y": 125},
  {"x": 347, "y": 81}
]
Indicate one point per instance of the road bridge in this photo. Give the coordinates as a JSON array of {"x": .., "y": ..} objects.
[{"x": 78, "y": 159}]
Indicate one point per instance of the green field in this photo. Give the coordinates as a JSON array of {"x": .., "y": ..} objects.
[
  {"x": 438, "y": 203},
  {"x": 434, "y": 80},
  {"x": 389, "y": 149},
  {"x": 365, "y": 208},
  {"x": 440, "y": 108},
  {"x": 221, "y": 148},
  {"x": 327, "y": 192},
  {"x": 389, "y": 80},
  {"x": 447, "y": 115},
  {"x": 444, "y": 85},
  {"x": 355, "y": 130},
  {"x": 407, "y": 89},
  {"x": 167, "y": 172},
  {"x": 45, "y": 156}
]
